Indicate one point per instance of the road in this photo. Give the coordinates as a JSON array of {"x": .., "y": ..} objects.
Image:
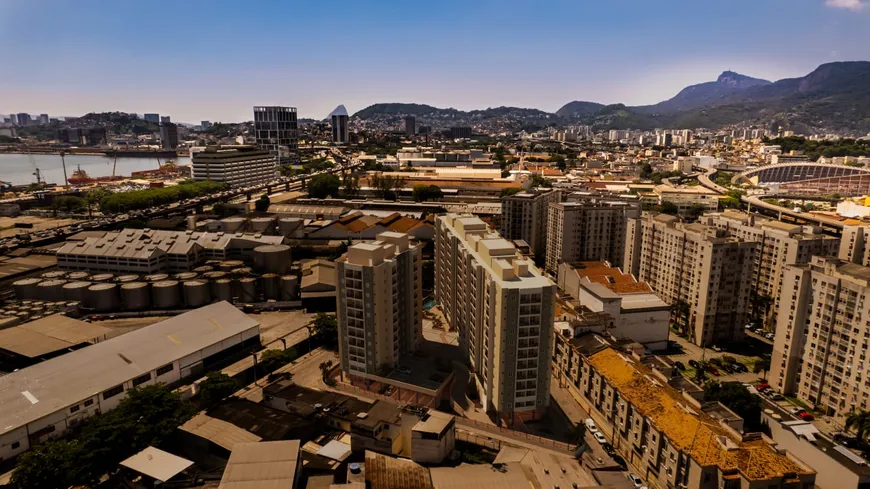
[{"x": 305, "y": 370}]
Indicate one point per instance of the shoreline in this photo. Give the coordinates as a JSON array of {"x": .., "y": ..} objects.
[{"x": 108, "y": 153}]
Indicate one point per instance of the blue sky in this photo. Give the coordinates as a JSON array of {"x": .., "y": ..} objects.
[{"x": 215, "y": 59}]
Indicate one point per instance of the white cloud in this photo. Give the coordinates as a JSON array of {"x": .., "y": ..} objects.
[{"x": 854, "y": 5}]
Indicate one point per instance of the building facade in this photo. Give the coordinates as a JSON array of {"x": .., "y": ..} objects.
[
  {"x": 379, "y": 304},
  {"x": 503, "y": 309},
  {"x": 168, "y": 135},
  {"x": 238, "y": 166},
  {"x": 276, "y": 131},
  {"x": 670, "y": 438},
  {"x": 410, "y": 126},
  {"x": 822, "y": 336},
  {"x": 590, "y": 229},
  {"x": 697, "y": 268},
  {"x": 779, "y": 244},
  {"x": 338, "y": 119},
  {"x": 524, "y": 216}
]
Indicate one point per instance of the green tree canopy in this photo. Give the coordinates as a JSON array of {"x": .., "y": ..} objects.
[
  {"x": 323, "y": 186},
  {"x": 262, "y": 204},
  {"x": 217, "y": 386},
  {"x": 141, "y": 199},
  {"x": 670, "y": 208},
  {"x": 423, "y": 192},
  {"x": 737, "y": 398},
  {"x": 860, "y": 422},
  {"x": 507, "y": 192},
  {"x": 325, "y": 328}
]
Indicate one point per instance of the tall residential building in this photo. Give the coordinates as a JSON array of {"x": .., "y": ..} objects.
[
  {"x": 410, "y": 126},
  {"x": 697, "y": 268},
  {"x": 340, "y": 134},
  {"x": 43, "y": 118},
  {"x": 168, "y": 135},
  {"x": 823, "y": 336},
  {"x": 524, "y": 216},
  {"x": 165, "y": 118},
  {"x": 379, "y": 304},
  {"x": 23, "y": 119},
  {"x": 205, "y": 125},
  {"x": 503, "y": 309},
  {"x": 276, "y": 131},
  {"x": 155, "y": 118},
  {"x": 779, "y": 244},
  {"x": 854, "y": 245},
  {"x": 459, "y": 132},
  {"x": 238, "y": 166},
  {"x": 588, "y": 229}
]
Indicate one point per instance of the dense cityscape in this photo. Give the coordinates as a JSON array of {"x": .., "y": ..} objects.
[{"x": 401, "y": 296}]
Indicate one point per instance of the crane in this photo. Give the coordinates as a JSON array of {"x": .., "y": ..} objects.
[
  {"x": 114, "y": 165},
  {"x": 63, "y": 162}
]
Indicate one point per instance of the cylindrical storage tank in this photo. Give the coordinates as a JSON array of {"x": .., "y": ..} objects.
[
  {"x": 203, "y": 269},
  {"x": 102, "y": 297},
  {"x": 54, "y": 275},
  {"x": 272, "y": 259},
  {"x": 155, "y": 277},
  {"x": 196, "y": 293},
  {"x": 213, "y": 263},
  {"x": 213, "y": 275},
  {"x": 241, "y": 272},
  {"x": 222, "y": 289},
  {"x": 136, "y": 296},
  {"x": 76, "y": 291},
  {"x": 232, "y": 224},
  {"x": 78, "y": 276},
  {"x": 262, "y": 225},
  {"x": 228, "y": 265},
  {"x": 51, "y": 290},
  {"x": 247, "y": 287},
  {"x": 287, "y": 225},
  {"x": 191, "y": 223},
  {"x": 271, "y": 286},
  {"x": 185, "y": 276},
  {"x": 166, "y": 294},
  {"x": 102, "y": 277},
  {"x": 26, "y": 288},
  {"x": 22, "y": 315},
  {"x": 289, "y": 286},
  {"x": 123, "y": 279}
]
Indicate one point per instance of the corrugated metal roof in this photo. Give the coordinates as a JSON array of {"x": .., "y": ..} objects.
[
  {"x": 45, "y": 388},
  {"x": 48, "y": 335},
  {"x": 265, "y": 465},
  {"x": 157, "y": 464},
  {"x": 218, "y": 431}
]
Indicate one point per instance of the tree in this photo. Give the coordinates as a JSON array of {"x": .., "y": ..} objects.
[
  {"x": 559, "y": 161},
  {"x": 325, "y": 329},
  {"x": 387, "y": 187},
  {"x": 94, "y": 197},
  {"x": 323, "y": 185},
  {"x": 540, "y": 181},
  {"x": 262, "y": 204},
  {"x": 423, "y": 192},
  {"x": 761, "y": 365},
  {"x": 670, "y": 208},
  {"x": 579, "y": 434},
  {"x": 68, "y": 203},
  {"x": 508, "y": 191},
  {"x": 217, "y": 386},
  {"x": 146, "y": 416},
  {"x": 272, "y": 360},
  {"x": 696, "y": 211},
  {"x": 350, "y": 185},
  {"x": 860, "y": 421},
  {"x": 646, "y": 171},
  {"x": 736, "y": 398},
  {"x": 221, "y": 210}
]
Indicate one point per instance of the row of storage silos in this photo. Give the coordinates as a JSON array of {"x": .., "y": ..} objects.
[{"x": 259, "y": 225}]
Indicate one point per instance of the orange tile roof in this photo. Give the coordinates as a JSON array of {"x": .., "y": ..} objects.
[
  {"x": 611, "y": 277},
  {"x": 687, "y": 427}
]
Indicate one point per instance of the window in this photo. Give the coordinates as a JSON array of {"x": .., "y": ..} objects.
[
  {"x": 15, "y": 445},
  {"x": 141, "y": 379},
  {"x": 114, "y": 391},
  {"x": 74, "y": 409},
  {"x": 165, "y": 369},
  {"x": 89, "y": 402}
]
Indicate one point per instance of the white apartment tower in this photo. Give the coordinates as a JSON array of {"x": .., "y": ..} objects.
[
  {"x": 696, "y": 268},
  {"x": 589, "y": 229},
  {"x": 503, "y": 309},
  {"x": 237, "y": 166},
  {"x": 379, "y": 304},
  {"x": 823, "y": 335}
]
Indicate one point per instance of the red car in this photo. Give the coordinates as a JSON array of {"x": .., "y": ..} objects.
[
  {"x": 761, "y": 387},
  {"x": 713, "y": 370},
  {"x": 806, "y": 416}
]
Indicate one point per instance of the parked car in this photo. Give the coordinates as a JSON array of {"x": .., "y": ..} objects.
[
  {"x": 599, "y": 437},
  {"x": 806, "y": 416},
  {"x": 760, "y": 387},
  {"x": 694, "y": 364},
  {"x": 717, "y": 348},
  {"x": 796, "y": 410},
  {"x": 608, "y": 448},
  {"x": 713, "y": 370},
  {"x": 749, "y": 326},
  {"x": 635, "y": 480},
  {"x": 769, "y": 336},
  {"x": 777, "y": 397},
  {"x": 590, "y": 425},
  {"x": 739, "y": 367},
  {"x": 620, "y": 462},
  {"x": 679, "y": 365}
]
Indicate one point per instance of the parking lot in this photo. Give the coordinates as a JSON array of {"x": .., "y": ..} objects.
[{"x": 747, "y": 354}]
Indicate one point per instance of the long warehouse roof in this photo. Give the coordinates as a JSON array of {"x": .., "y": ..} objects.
[{"x": 40, "y": 390}]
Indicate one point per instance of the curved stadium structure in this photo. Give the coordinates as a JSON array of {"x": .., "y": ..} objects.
[{"x": 809, "y": 178}]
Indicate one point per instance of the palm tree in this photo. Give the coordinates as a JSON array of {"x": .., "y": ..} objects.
[
  {"x": 325, "y": 367},
  {"x": 762, "y": 365},
  {"x": 861, "y": 422}
]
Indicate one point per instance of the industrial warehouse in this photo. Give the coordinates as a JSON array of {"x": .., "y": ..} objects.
[
  {"x": 44, "y": 400},
  {"x": 153, "y": 251}
]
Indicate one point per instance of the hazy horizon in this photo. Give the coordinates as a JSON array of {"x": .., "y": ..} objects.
[{"x": 215, "y": 60}]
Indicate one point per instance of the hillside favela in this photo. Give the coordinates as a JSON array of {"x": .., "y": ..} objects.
[{"x": 373, "y": 245}]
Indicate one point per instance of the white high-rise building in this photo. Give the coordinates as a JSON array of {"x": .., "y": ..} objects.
[
  {"x": 237, "y": 166},
  {"x": 503, "y": 308}
]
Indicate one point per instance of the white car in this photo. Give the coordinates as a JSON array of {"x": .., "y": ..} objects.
[
  {"x": 590, "y": 425},
  {"x": 599, "y": 437},
  {"x": 635, "y": 480}
]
